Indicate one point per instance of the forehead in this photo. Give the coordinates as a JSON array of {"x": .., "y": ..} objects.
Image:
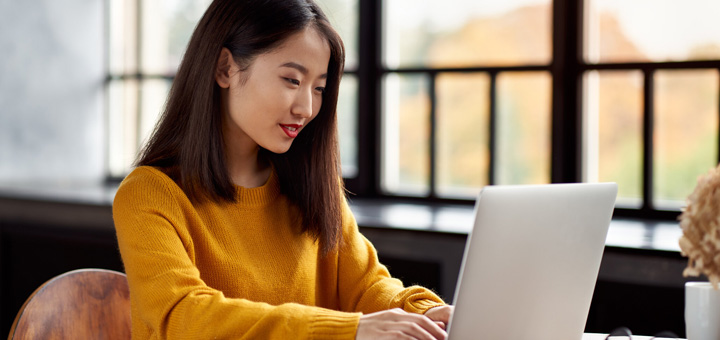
[{"x": 307, "y": 47}]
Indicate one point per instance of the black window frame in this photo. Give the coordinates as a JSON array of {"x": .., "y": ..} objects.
[{"x": 567, "y": 68}]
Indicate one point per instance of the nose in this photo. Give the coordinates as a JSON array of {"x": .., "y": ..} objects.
[{"x": 303, "y": 104}]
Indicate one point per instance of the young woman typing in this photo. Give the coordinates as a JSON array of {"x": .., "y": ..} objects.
[{"x": 234, "y": 224}]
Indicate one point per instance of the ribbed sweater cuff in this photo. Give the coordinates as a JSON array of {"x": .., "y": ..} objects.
[
  {"x": 329, "y": 324},
  {"x": 422, "y": 306}
]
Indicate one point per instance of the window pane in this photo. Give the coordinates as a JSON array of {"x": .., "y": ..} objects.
[
  {"x": 613, "y": 132},
  {"x": 651, "y": 30},
  {"x": 347, "y": 125},
  {"x": 686, "y": 132},
  {"x": 133, "y": 111},
  {"x": 154, "y": 94},
  {"x": 456, "y": 33},
  {"x": 406, "y": 134},
  {"x": 122, "y": 43},
  {"x": 344, "y": 15},
  {"x": 523, "y": 128},
  {"x": 462, "y": 131},
  {"x": 166, "y": 29},
  {"x": 122, "y": 125}
]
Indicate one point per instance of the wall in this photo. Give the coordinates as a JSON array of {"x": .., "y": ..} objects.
[{"x": 51, "y": 89}]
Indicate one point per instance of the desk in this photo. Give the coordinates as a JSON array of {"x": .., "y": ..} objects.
[{"x": 595, "y": 336}]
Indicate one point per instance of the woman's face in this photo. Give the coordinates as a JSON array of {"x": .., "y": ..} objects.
[{"x": 272, "y": 101}]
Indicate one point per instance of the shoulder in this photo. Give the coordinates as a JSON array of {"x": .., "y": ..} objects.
[
  {"x": 145, "y": 174},
  {"x": 147, "y": 185},
  {"x": 146, "y": 179}
]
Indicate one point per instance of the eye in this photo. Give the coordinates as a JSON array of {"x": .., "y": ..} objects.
[
  {"x": 320, "y": 89},
  {"x": 292, "y": 81}
]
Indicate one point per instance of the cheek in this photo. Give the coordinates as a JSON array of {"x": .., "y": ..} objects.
[
  {"x": 236, "y": 109},
  {"x": 246, "y": 103}
]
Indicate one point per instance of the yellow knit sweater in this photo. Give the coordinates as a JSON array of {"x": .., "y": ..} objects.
[{"x": 243, "y": 270}]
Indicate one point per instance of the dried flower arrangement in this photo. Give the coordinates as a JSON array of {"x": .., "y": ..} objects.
[{"x": 700, "y": 223}]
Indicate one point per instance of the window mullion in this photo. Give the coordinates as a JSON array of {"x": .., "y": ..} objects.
[
  {"x": 433, "y": 140},
  {"x": 367, "y": 181},
  {"x": 648, "y": 132},
  {"x": 492, "y": 127},
  {"x": 567, "y": 59}
]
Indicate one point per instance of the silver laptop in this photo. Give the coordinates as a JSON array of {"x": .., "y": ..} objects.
[{"x": 531, "y": 261}]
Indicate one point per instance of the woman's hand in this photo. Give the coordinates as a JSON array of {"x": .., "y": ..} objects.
[
  {"x": 441, "y": 315},
  {"x": 398, "y": 324}
]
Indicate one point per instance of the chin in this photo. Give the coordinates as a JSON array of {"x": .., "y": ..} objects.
[{"x": 279, "y": 149}]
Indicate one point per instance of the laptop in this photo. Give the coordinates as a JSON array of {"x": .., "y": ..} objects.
[{"x": 531, "y": 261}]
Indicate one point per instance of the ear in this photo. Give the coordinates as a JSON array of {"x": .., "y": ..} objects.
[{"x": 224, "y": 68}]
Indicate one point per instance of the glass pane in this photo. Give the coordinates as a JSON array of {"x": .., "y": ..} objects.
[
  {"x": 406, "y": 135},
  {"x": 154, "y": 95},
  {"x": 613, "y": 131},
  {"x": 523, "y": 128},
  {"x": 463, "y": 106},
  {"x": 686, "y": 132},
  {"x": 347, "y": 125},
  {"x": 455, "y": 33},
  {"x": 343, "y": 15},
  {"x": 166, "y": 29},
  {"x": 651, "y": 30},
  {"x": 122, "y": 125},
  {"x": 122, "y": 41}
]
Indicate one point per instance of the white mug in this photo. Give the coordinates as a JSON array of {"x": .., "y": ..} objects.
[{"x": 702, "y": 311}]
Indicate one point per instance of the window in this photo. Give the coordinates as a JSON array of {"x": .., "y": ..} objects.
[
  {"x": 146, "y": 42},
  {"x": 442, "y": 98},
  {"x": 651, "y": 89},
  {"x": 538, "y": 91},
  {"x": 466, "y": 98}
]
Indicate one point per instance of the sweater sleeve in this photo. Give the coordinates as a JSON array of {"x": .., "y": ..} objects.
[
  {"x": 167, "y": 293},
  {"x": 366, "y": 285}
]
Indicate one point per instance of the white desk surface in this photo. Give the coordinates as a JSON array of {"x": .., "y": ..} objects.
[{"x": 595, "y": 336}]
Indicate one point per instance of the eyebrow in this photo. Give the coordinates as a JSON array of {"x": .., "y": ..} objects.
[{"x": 301, "y": 68}]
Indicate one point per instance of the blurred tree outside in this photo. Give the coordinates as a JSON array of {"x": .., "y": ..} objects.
[
  {"x": 518, "y": 37},
  {"x": 413, "y": 134},
  {"x": 463, "y": 133},
  {"x": 686, "y": 104},
  {"x": 685, "y": 110}
]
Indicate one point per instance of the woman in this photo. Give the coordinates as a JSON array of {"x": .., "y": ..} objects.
[{"x": 234, "y": 223}]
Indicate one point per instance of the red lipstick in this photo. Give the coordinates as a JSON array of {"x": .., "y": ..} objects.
[{"x": 291, "y": 129}]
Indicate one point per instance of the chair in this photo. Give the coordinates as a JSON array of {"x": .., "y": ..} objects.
[{"x": 80, "y": 304}]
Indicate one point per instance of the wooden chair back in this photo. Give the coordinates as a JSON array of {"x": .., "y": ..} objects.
[{"x": 80, "y": 304}]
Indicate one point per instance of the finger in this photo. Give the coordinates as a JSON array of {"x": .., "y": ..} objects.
[
  {"x": 423, "y": 321},
  {"x": 429, "y": 325},
  {"x": 441, "y": 325},
  {"x": 411, "y": 329},
  {"x": 442, "y": 313},
  {"x": 398, "y": 319}
]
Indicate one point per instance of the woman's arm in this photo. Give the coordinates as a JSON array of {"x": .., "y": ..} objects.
[{"x": 365, "y": 285}]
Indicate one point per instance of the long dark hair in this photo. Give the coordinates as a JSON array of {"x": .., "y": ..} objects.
[{"x": 187, "y": 142}]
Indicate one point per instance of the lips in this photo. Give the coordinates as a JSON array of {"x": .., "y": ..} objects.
[{"x": 291, "y": 130}]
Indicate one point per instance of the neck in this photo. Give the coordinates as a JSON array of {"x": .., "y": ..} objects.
[
  {"x": 248, "y": 171},
  {"x": 245, "y": 167}
]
